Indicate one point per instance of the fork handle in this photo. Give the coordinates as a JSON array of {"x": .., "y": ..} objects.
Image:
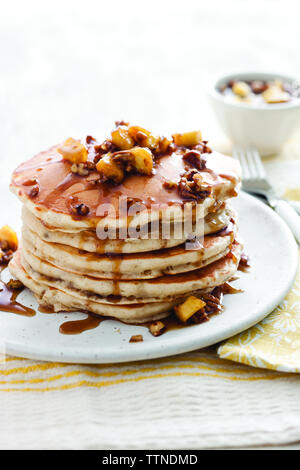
[{"x": 290, "y": 216}]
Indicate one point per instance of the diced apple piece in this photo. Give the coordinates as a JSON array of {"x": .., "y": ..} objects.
[
  {"x": 188, "y": 308},
  {"x": 187, "y": 139},
  {"x": 73, "y": 151}
]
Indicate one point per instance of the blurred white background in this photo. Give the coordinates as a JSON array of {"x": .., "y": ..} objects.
[{"x": 69, "y": 68}]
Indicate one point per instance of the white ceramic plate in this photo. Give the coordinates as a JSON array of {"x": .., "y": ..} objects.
[{"x": 273, "y": 253}]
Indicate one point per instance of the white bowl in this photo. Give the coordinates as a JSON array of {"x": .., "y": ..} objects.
[{"x": 265, "y": 126}]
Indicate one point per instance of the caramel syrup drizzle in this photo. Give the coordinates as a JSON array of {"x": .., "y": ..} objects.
[
  {"x": 75, "y": 327},
  {"x": 8, "y": 299}
]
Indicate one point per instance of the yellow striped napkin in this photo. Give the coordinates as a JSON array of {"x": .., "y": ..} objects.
[
  {"x": 274, "y": 343},
  {"x": 191, "y": 401}
]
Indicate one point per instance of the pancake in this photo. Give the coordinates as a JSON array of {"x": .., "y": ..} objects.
[
  {"x": 127, "y": 266},
  {"x": 83, "y": 249},
  {"x": 87, "y": 240},
  {"x": 57, "y": 184},
  {"x": 62, "y": 299}
]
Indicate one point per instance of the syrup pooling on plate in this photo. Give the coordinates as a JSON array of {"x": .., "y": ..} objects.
[
  {"x": 9, "y": 291},
  {"x": 8, "y": 300},
  {"x": 75, "y": 327}
]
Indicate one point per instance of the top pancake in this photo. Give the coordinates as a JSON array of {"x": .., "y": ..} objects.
[{"x": 58, "y": 186}]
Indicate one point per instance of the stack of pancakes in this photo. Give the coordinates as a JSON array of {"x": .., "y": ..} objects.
[{"x": 134, "y": 278}]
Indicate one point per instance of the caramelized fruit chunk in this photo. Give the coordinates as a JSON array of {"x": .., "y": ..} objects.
[
  {"x": 120, "y": 138},
  {"x": 188, "y": 139},
  {"x": 143, "y": 137},
  {"x": 73, "y": 151},
  {"x": 110, "y": 169},
  {"x": 142, "y": 160},
  {"x": 188, "y": 308},
  {"x": 8, "y": 238}
]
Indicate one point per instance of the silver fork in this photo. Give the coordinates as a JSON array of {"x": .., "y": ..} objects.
[{"x": 254, "y": 181}]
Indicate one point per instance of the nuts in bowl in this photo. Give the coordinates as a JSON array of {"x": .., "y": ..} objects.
[
  {"x": 257, "y": 109},
  {"x": 259, "y": 92}
]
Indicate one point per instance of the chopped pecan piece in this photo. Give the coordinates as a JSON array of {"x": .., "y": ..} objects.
[
  {"x": 121, "y": 123},
  {"x": 14, "y": 284},
  {"x": 244, "y": 263},
  {"x": 5, "y": 256},
  {"x": 79, "y": 169},
  {"x": 80, "y": 209},
  {"x": 200, "y": 316},
  {"x": 213, "y": 304},
  {"x": 101, "y": 149},
  {"x": 163, "y": 145},
  {"x": 169, "y": 184},
  {"x": 136, "y": 339},
  {"x": 157, "y": 328},
  {"x": 93, "y": 177},
  {"x": 192, "y": 186},
  {"x": 90, "y": 140},
  {"x": 34, "y": 191},
  {"x": 193, "y": 158}
]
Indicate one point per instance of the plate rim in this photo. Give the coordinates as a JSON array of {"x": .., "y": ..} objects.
[{"x": 170, "y": 347}]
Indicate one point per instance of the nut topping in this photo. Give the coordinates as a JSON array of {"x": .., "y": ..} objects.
[
  {"x": 169, "y": 184},
  {"x": 14, "y": 284},
  {"x": 193, "y": 157},
  {"x": 192, "y": 186},
  {"x": 34, "y": 191},
  {"x": 79, "y": 169},
  {"x": 133, "y": 149},
  {"x": 157, "y": 328},
  {"x": 136, "y": 339},
  {"x": 79, "y": 209}
]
